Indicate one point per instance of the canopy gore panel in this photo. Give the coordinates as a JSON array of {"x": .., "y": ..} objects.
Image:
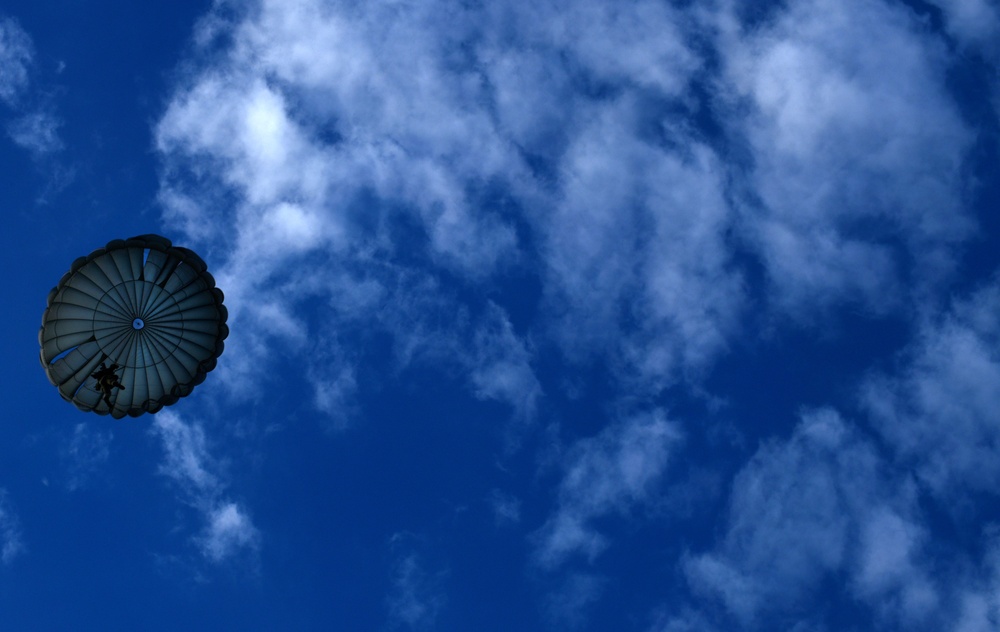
[{"x": 141, "y": 303}]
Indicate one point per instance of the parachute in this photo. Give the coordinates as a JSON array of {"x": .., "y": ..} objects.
[{"x": 147, "y": 307}]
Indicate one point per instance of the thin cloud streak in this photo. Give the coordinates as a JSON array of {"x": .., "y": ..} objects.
[
  {"x": 16, "y": 56},
  {"x": 417, "y": 595},
  {"x": 36, "y": 132},
  {"x": 11, "y": 540},
  {"x": 31, "y": 120},
  {"x": 607, "y": 474},
  {"x": 229, "y": 530},
  {"x": 86, "y": 454}
]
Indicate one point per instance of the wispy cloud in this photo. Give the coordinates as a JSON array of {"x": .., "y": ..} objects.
[
  {"x": 634, "y": 247},
  {"x": 819, "y": 506},
  {"x": 16, "y": 55},
  {"x": 979, "y": 596},
  {"x": 827, "y": 505},
  {"x": 383, "y": 169},
  {"x": 229, "y": 530},
  {"x": 606, "y": 474},
  {"x": 506, "y": 508},
  {"x": 85, "y": 452},
  {"x": 417, "y": 595},
  {"x": 568, "y": 605},
  {"x": 11, "y": 542},
  {"x": 857, "y": 150},
  {"x": 385, "y": 133},
  {"x": 187, "y": 462},
  {"x": 36, "y": 132},
  {"x": 686, "y": 621},
  {"x": 32, "y": 122},
  {"x": 358, "y": 157},
  {"x": 938, "y": 410},
  {"x": 974, "y": 22}
]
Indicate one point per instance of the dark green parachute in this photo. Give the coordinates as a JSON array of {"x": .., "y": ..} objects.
[{"x": 142, "y": 304}]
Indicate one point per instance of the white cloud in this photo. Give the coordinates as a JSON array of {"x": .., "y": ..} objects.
[
  {"x": 885, "y": 573},
  {"x": 687, "y": 621},
  {"x": 417, "y": 595},
  {"x": 85, "y": 452},
  {"x": 229, "y": 530},
  {"x": 287, "y": 252},
  {"x": 334, "y": 386},
  {"x": 978, "y": 607},
  {"x": 939, "y": 411},
  {"x": 357, "y": 157},
  {"x": 431, "y": 328},
  {"x": 360, "y": 150},
  {"x": 819, "y": 507},
  {"x": 16, "y": 55},
  {"x": 605, "y": 474},
  {"x": 33, "y": 125},
  {"x": 499, "y": 365},
  {"x": 11, "y": 542},
  {"x": 975, "y": 22},
  {"x": 506, "y": 508},
  {"x": 824, "y": 509},
  {"x": 570, "y": 47},
  {"x": 631, "y": 230},
  {"x": 857, "y": 152},
  {"x": 37, "y": 132},
  {"x": 374, "y": 76},
  {"x": 634, "y": 251},
  {"x": 186, "y": 458}
]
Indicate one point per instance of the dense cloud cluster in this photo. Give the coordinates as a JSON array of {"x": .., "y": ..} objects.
[
  {"x": 370, "y": 158},
  {"x": 664, "y": 185},
  {"x": 857, "y": 153},
  {"x": 516, "y": 140},
  {"x": 339, "y": 128},
  {"x": 939, "y": 410}
]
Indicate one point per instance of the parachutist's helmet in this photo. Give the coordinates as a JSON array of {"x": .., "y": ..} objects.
[{"x": 143, "y": 304}]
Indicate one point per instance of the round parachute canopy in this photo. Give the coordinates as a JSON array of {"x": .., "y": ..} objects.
[{"x": 132, "y": 327}]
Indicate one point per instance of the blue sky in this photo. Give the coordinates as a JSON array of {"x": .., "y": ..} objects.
[{"x": 637, "y": 315}]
